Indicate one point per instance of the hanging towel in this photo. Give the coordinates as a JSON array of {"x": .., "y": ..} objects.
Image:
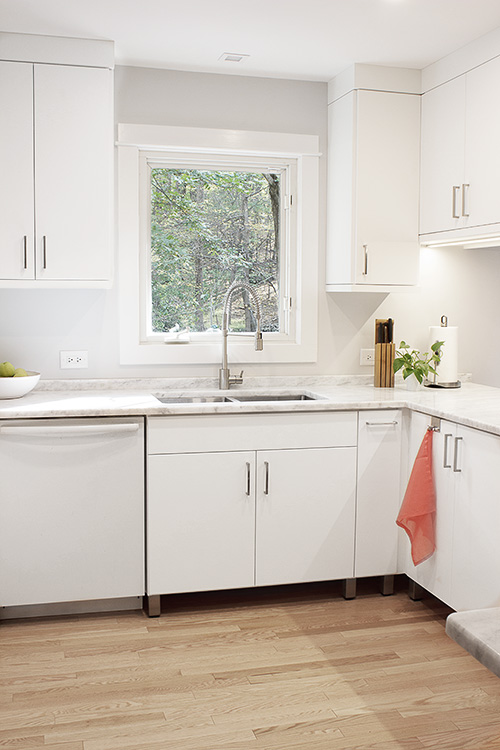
[{"x": 418, "y": 509}]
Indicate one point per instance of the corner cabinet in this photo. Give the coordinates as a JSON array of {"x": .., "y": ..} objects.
[
  {"x": 465, "y": 568},
  {"x": 56, "y": 151},
  {"x": 373, "y": 187},
  {"x": 460, "y": 193},
  {"x": 243, "y": 500}
]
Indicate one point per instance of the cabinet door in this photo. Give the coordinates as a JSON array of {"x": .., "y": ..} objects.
[
  {"x": 305, "y": 515},
  {"x": 200, "y": 522},
  {"x": 442, "y": 159},
  {"x": 482, "y": 150},
  {"x": 435, "y": 574},
  {"x": 387, "y": 183},
  {"x": 378, "y": 493},
  {"x": 373, "y": 183},
  {"x": 16, "y": 173},
  {"x": 73, "y": 171},
  {"x": 476, "y": 548}
]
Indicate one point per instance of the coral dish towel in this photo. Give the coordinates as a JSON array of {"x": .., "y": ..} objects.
[{"x": 418, "y": 510}]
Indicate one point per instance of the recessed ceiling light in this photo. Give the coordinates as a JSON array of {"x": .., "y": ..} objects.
[{"x": 232, "y": 57}]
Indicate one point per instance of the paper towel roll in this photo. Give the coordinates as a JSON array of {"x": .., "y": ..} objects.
[{"x": 447, "y": 370}]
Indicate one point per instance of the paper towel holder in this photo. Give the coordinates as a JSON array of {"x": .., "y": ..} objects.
[{"x": 433, "y": 383}]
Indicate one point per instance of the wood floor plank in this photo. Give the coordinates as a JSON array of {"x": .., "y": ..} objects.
[{"x": 275, "y": 669}]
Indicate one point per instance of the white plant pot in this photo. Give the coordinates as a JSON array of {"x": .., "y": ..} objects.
[{"x": 412, "y": 383}]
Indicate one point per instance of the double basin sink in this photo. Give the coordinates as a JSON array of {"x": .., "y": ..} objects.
[{"x": 237, "y": 398}]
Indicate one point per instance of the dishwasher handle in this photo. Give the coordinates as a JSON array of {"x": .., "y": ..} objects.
[{"x": 81, "y": 430}]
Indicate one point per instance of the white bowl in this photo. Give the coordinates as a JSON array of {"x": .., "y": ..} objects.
[{"x": 20, "y": 386}]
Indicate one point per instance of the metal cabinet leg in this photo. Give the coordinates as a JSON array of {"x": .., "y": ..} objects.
[
  {"x": 415, "y": 591},
  {"x": 153, "y": 605},
  {"x": 387, "y": 587},
  {"x": 349, "y": 588}
]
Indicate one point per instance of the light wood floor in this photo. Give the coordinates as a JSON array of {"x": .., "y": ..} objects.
[{"x": 280, "y": 669}]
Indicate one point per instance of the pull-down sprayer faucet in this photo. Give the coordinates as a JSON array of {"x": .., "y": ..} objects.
[{"x": 225, "y": 378}]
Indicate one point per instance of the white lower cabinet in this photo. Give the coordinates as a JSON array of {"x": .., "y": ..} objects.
[
  {"x": 201, "y": 521},
  {"x": 435, "y": 573},
  {"x": 305, "y": 515},
  {"x": 464, "y": 571},
  {"x": 378, "y": 493},
  {"x": 270, "y": 513},
  {"x": 476, "y": 549}
]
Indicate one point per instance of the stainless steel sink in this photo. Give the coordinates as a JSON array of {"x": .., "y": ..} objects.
[
  {"x": 194, "y": 399},
  {"x": 279, "y": 397},
  {"x": 237, "y": 398}
]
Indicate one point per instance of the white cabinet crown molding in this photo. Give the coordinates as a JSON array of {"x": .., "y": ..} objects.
[
  {"x": 58, "y": 50},
  {"x": 374, "y": 78}
]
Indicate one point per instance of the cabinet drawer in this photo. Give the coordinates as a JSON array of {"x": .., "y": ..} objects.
[{"x": 236, "y": 432}]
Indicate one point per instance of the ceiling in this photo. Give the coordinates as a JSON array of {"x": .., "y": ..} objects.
[{"x": 300, "y": 39}]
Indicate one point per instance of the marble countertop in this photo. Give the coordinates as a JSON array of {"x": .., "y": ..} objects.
[{"x": 472, "y": 405}]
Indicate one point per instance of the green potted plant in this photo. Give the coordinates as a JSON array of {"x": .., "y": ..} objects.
[{"x": 415, "y": 365}]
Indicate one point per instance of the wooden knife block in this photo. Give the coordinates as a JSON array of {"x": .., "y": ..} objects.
[{"x": 384, "y": 359}]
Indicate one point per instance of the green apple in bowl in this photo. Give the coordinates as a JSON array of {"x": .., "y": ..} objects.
[{"x": 7, "y": 370}]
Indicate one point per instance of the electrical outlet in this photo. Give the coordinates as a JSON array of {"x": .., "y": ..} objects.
[
  {"x": 68, "y": 360},
  {"x": 367, "y": 357}
]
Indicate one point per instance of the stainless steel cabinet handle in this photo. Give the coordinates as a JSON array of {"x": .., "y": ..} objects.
[
  {"x": 80, "y": 430},
  {"x": 454, "y": 209},
  {"x": 382, "y": 424},
  {"x": 365, "y": 260},
  {"x": 266, "y": 481},
  {"x": 247, "y": 491},
  {"x": 44, "y": 252},
  {"x": 25, "y": 252},
  {"x": 465, "y": 202},
  {"x": 446, "y": 465},
  {"x": 455, "y": 456}
]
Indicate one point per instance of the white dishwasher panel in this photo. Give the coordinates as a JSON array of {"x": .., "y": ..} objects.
[{"x": 71, "y": 510}]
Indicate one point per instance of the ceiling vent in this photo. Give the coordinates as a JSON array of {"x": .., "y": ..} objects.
[{"x": 235, "y": 57}]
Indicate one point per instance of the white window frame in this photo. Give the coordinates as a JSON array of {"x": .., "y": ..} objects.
[{"x": 142, "y": 145}]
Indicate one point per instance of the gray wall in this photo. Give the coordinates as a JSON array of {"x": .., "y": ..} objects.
[{"x": 37, "y": 324}]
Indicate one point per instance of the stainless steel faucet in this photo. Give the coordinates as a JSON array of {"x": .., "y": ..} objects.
[{"x": 225, "y": 378}]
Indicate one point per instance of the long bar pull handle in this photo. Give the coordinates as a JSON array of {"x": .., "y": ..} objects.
[
  {"x": 454, "y": 209},
  {"x": 266, "y": 480},
  {"x": 455, "y": 456},
  {"x": 365, "y": 260},
  {"x": 25, "y": 252},
  {"x": 465, "y": 201},
  {"x": 382, "y": 424},
  {"x": 247, "y": 491},
  {"x": 44, "y": 252},
  {"x": 446, "y": 465},
  {"x": 68, "y": 430}
]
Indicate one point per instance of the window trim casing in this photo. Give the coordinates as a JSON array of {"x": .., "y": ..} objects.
[
  {"x": 287, "y": 270},
  {"x": 133, "y": 142}
]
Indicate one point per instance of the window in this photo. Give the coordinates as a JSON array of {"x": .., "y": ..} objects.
[{"x": 194, "y": 219}]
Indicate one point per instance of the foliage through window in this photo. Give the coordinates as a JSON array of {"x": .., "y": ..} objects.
[{"x": 208, "y": 229}]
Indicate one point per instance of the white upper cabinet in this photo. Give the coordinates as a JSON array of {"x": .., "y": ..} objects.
[
  {"x": 373, "y": 183},
  {"x": 460, "y": 192},
  {"x": 56, "y": 152},
  {"x": 73, "y": 159},
  {"x": 16, "y": 175},
  {"x": 442, "y": 171}
]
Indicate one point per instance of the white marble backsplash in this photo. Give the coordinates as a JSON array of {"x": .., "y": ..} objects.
[{"x": 184, "y": 384}]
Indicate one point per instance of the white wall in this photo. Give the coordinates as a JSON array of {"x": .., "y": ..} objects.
[{"x": 36, "y": 325}]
